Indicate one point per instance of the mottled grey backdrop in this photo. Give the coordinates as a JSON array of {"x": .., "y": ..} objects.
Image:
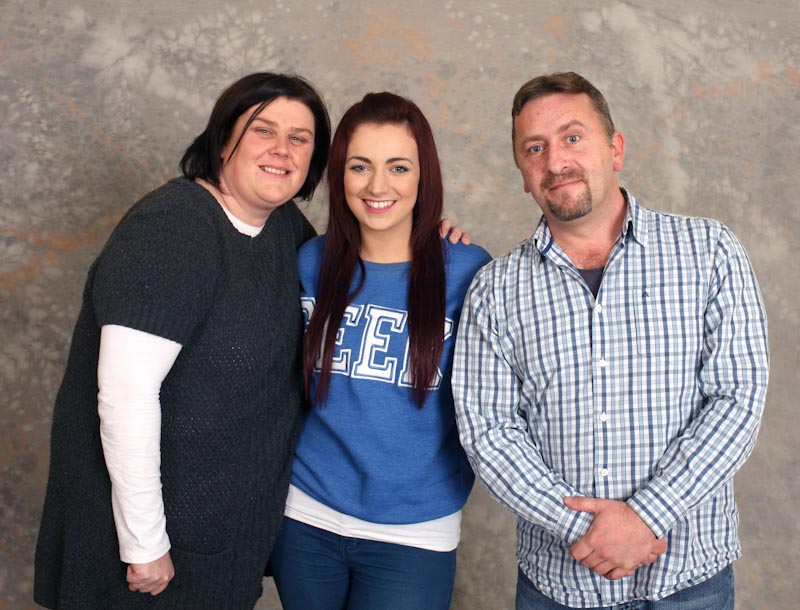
[{"x": 98, "y": 99}]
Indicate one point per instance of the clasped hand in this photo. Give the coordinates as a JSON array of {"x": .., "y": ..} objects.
[
  {"x": 618, "y": 542},
  {"x": 152, "y": 577}
]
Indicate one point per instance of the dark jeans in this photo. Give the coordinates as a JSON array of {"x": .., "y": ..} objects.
[
  {"x": 716, "y": 593},
  {"x": 317, "y": 570}
]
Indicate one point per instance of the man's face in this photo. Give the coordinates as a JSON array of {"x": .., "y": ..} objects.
[{"x": 566, "y": 158}]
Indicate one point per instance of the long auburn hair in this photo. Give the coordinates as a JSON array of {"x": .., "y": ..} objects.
[{"x": 426, "y": 293}]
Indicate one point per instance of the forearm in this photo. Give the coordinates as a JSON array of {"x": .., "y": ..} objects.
[
  {"x": 733, "y": 379},
  {"x": 514, "y": 473},
  {"x": 494, "y": 433},
  {"x": 131, "y": 368},
  {"x": 697, "y": 464}
]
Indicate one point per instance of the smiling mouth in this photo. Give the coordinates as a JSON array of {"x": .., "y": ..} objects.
[
  {"x": 378, "y": 205},
  {"x": 565, "y": 183},
  {"x": 274, "y": 170},
  {"x": 567, "y": 179}
]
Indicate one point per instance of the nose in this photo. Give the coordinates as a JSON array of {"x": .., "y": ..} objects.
[
  {"x": 557, "y": 161},
  {"x": 280, "y": 147},
  {"x": 378, "y": 184}
]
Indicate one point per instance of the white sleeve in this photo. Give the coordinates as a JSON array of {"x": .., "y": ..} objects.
[{"x": 132, "y": 365}]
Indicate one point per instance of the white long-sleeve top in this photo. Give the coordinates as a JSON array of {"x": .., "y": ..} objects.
[{"x": 131, "y": 368}]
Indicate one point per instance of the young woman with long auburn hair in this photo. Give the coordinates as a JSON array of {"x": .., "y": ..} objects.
[{"x": 379, "y": 477}]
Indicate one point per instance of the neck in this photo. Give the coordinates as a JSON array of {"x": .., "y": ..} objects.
[
  {"x": 229, "y": 202},
  {"x": 378, "y": 248},
  {"x": 588, "y": 241}
]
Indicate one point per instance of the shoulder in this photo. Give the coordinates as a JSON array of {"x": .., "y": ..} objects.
[
  {"x": 309, "y": 261},
  {"x": 668, "y": 219},
  {"x": 509, "y": 264},
  {"x": 462, "y": 256},
  {"x": 311, "y": 251},
  {"x": 160, "y": 268},
  {"x": 703, "y": 242},
  {"x": 178, "y": 206},
  {"x": 179, "y": 193},
  {"x": 313, "y": 248},
  {"x": 288, "y": 212},
  {"x": 176, "y": 226},
  {"x": 461, "y": 264},
  {"x": 694, "y": 236},
  {"x": 500, "y": 278},
  {"x": 680, "y": 229},
  {"x": 290, "y": 215}
]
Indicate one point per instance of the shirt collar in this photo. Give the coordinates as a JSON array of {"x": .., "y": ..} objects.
[
  {"x": 636, "y": 220},
  {"x": 541, "y": 240}
]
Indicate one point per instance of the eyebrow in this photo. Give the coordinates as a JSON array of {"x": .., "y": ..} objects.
[
  {"x": 274, "y": 124},
  {"x": 562, "y": 129},
  {"x": 367, "y": 160}
]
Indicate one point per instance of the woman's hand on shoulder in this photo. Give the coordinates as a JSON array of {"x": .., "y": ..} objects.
[
  {"x": 152, "y": 577},
  {"x": 453, "y": 233}
]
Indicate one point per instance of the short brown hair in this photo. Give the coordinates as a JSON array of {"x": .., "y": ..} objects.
[{"x": 561, "y": 82}]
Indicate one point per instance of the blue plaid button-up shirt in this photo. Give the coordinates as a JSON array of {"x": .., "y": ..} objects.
[{"x": 651, "y": 393}]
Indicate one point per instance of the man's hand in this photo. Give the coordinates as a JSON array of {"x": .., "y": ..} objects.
[
  {"x": 151, "y": 577},
  {"x": 456, "y": 234},
  {"x": 618, "y": 542}
]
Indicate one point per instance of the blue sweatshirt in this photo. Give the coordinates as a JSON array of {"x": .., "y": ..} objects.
[{"x": 369, "y": 451}]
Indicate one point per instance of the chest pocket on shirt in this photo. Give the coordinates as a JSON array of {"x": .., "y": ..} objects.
[{"x": 669, "y": 321}]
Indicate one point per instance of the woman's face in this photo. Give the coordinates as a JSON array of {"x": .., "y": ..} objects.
[
  {"x": 381, "y": 180},
  {"x": 271, "y": 163}
]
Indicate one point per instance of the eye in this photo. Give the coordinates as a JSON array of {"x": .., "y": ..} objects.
[
  {"x": 358, "y": 168},
  {"x": 573, "y": 139},
  {"x": 263, "y": 131},
  {"x": 298, "y": 139},
  {"x": 535, "y": 149},
  {"x": 399, "y": 169}
]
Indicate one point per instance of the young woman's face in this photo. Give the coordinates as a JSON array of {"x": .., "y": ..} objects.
[{"x": 381, "y": 180}]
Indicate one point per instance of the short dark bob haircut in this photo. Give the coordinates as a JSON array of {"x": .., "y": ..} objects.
[{"x": 203, "y": 159}]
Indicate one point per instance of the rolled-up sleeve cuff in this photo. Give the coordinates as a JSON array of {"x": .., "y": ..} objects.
[
  {"x": 658, "y": 506},
  {"x": 573, "y": 525}
]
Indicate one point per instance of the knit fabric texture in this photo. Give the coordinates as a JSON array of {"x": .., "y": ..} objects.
[{"x": 231, "y": 405}]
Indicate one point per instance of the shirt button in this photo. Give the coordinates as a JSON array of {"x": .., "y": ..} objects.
[
  {"x": 602, "y": 363},
  {"x": 598, "y": 307},
  {"x": 604, "y": 472},
  {"x": 604, "y": 417}
]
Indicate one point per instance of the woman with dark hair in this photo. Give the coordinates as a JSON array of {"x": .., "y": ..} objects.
[
  {"x": 379, "y": 478},
  {"x": 175, "y": 421}
]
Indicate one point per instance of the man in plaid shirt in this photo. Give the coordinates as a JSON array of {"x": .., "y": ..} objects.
[{"x": 610, "y": 375}]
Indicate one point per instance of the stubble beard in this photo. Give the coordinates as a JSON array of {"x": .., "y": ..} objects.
[{"x": 568, "y": 208}]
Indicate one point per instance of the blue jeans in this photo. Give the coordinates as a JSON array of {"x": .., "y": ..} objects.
[
  {"x": 317, "y": 570},
  {"x": 716, "y": 593}
]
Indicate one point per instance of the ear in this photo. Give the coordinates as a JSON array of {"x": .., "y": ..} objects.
[{"x": 618, "y": 146}]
